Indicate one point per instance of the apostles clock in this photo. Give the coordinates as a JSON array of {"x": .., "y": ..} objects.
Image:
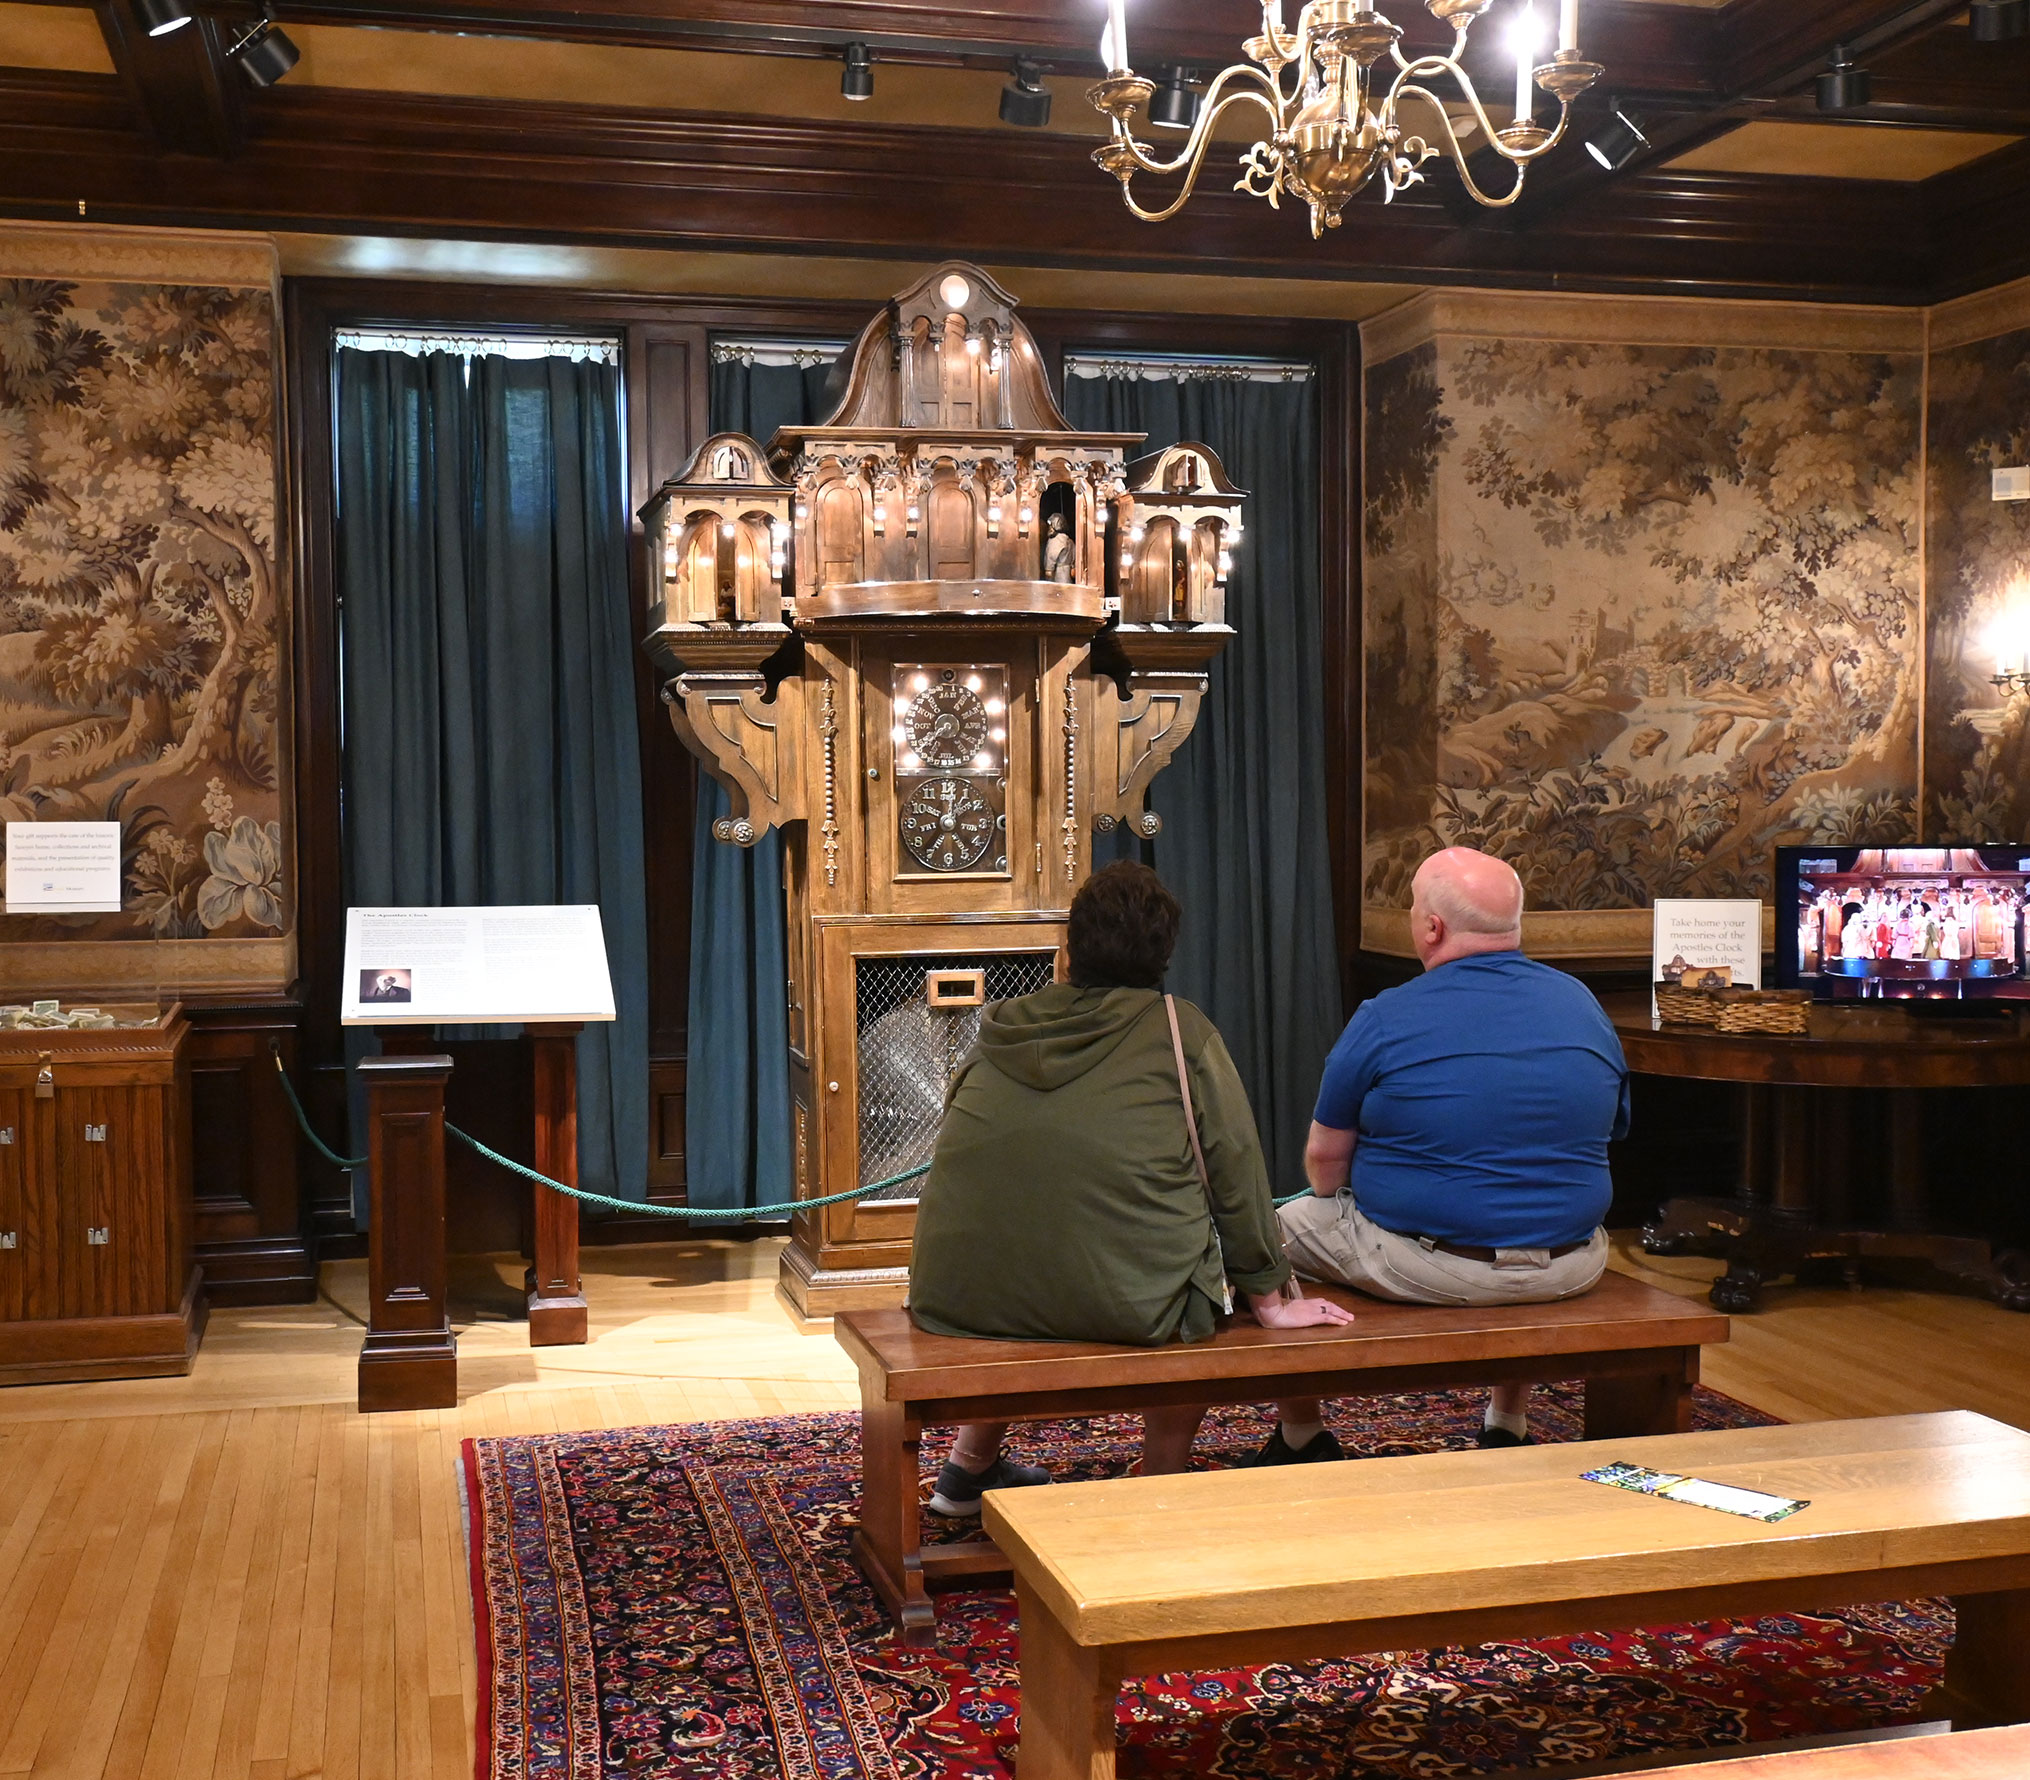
[{"x": 939, "y": 640}]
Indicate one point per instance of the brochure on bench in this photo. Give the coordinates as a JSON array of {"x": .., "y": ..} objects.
[
  {"x": 475, "y": 966},
  {"x": 1700, "y": 1493}
]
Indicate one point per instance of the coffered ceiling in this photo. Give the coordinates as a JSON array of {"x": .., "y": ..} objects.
[{"x": 706, "y": 126}]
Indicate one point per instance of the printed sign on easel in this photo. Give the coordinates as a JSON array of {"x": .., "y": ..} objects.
[{"x": 1708, "y": 944}]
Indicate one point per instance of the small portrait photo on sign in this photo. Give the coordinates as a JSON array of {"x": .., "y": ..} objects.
[{"x": 384, "y": 985}]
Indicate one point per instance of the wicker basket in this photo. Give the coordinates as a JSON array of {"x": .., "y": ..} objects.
[
  {"x": 1779, "y": 1013},
  {"x": 1679, "y": 1006}
]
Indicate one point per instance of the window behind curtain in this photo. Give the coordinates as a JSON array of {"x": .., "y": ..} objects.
[{"x": 490, "y": 750}]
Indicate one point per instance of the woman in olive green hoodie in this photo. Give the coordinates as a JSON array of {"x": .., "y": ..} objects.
[{"x": 1064, "y": 1202}]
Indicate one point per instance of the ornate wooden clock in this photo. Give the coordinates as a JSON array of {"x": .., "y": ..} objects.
[{"x": 938, "y": 640}]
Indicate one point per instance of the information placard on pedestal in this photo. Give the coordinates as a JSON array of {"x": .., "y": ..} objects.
[{"x": 475, "y": 966}]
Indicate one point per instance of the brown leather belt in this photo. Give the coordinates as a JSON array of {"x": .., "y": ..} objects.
[{"x": 1486, "y": 1255}]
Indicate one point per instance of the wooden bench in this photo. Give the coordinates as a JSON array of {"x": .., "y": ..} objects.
[
  {"x": 1964, "y": 1755},
  {"x": 1636, "y": 1348},
  {"x": 1213, "y": 1569}
]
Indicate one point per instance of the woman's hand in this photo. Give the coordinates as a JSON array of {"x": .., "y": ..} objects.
[{"x": 1277, "y": 1312}]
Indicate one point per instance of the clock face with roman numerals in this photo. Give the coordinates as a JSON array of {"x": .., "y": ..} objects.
[{"x": 947, "y": 825}]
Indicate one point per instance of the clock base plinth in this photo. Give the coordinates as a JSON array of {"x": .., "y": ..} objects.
[{"x": 815, "y": 1292}]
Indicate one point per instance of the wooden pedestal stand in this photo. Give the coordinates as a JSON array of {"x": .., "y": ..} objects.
[
  {"x": 557, "y": 1313},
  {"x": 410, "y": 1357},
  {"x": 556, "y": 1292}
]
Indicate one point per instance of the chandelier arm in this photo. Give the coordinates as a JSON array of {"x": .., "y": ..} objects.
[
  {"x": 1426, "y": 66},
  {"x": 1200, "y": 139},
  {"x": 1456, "y": 149}
]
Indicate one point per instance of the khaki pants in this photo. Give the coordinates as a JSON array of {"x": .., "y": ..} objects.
[{"x": 1329, "y": 1239}]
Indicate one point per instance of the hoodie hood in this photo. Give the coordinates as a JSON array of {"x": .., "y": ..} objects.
[{"x": 1056, "y": 1035}]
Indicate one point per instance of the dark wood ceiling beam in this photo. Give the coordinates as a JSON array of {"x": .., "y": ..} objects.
[
  {"x": 1770, "y": 48},
  {"x": 183, "y": 83},
  {"x": 1662, "y": 48},
  {"x": 329, "y": 161},
  {"x": 1976, "y": 216}
]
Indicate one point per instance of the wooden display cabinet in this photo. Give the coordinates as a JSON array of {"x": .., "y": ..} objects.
[
  {"x": 939, "y": 640},
  {"x": 96, "y": 1274}
]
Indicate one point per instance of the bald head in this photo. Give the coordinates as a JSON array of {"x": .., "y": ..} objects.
[{"x": 1462, "y": 903}]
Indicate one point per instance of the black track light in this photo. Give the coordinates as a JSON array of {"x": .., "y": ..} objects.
[
  {"x": 160, "y": 17},
  {"x": 858, "y": 80},
  {"x": 1999, "y": 21},
  {"x": 1025, "y": 100},
  {"x": 266, "y": 53},
  {"x": 1175, "y": 106},
  {"x": 1616, "y": 142},
  {"x": 1843, "y": 87}
]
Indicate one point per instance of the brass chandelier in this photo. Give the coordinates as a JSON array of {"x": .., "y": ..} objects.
[{"x": 1334, "y": 89}]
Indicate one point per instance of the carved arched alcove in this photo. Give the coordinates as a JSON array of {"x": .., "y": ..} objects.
[
  {"x": 839, "y": 514},
  {"x": 953, "y": 522}
]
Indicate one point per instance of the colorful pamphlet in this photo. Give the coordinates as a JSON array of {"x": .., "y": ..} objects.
[{"x": 1726, "y": 1497}]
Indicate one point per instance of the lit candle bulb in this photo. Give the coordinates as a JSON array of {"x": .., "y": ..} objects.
[
  {"x": 1568, "y": 24},
  {"x": 1526, "y": 66}
]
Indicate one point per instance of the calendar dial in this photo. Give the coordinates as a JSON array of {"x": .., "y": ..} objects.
[
  {"x": 947, "y": 725},
  {"x": 947, "y": 825}
]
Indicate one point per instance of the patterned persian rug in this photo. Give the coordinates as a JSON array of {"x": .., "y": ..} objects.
[{"x": 678, "y": 1604}]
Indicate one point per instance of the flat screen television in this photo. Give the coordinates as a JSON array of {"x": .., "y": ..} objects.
[{"x": 1935, "y": 923}]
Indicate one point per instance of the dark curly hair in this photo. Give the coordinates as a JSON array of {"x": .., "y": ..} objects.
[{"x": 1122, "y": 930}]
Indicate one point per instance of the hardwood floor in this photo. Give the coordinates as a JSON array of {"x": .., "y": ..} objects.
[{"x": 234, "y": 1574}]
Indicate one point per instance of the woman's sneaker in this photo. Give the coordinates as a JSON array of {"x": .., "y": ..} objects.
[{"x": 958, "y": 1492}]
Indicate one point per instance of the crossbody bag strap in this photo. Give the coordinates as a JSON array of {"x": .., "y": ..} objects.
[{"x": 1184, "y": 1088}]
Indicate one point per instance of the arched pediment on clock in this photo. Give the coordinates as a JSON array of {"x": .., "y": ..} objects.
[{"x": 948, "y": 353}]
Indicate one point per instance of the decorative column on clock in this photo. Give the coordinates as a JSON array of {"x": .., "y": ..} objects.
[{"x": 938, "y": 640}]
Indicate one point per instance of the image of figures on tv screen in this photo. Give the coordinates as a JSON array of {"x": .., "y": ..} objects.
[{"x": 1913, "y": 921}]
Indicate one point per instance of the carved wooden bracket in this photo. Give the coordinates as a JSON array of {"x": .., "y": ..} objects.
[
  {"x": 1138, "y": 733},
  {"x": 723, "y": 711}
]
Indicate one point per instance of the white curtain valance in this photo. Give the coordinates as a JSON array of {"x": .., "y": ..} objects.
[
  {"x": 1186, "y": 368},
  {"x": 579, "y": 348},
  {"x": 802, "y": 354}
]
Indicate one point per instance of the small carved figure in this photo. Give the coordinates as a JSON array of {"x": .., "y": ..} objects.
[{"x": 1057, "y": 551}]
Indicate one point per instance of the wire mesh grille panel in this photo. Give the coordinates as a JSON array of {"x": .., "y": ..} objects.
[{"x": 909, "y": 1049}]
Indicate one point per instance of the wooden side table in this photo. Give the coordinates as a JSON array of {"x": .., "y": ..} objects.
[
  {"x": 1798, "y": 1214},
  {"x": 96, "y": 1274}
]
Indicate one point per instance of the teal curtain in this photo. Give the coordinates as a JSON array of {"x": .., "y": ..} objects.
[
  {"x": 736, "y": 1078},
  {"x": 490, "y": 748},
  {"x": 1243, "y": 843}
]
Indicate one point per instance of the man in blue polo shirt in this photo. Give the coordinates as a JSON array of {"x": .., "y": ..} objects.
[{"x": 1458, "y": 1153}]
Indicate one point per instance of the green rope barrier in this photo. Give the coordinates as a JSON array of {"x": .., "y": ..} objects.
[
  {"x": 679, "y": 1211},
  {"x": 556, "y": 1186},
  {"x": 303, "y": 1123},
  {"x": 601, "y": 1199}
]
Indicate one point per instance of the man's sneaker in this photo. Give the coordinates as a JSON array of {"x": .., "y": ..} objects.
[
  {"x": 1318, "y": 1450},
  {"x": 1492, "y": 1437},
  {"x": 958, "y": 1492}
]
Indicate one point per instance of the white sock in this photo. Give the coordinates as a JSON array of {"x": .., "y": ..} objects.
[
  {"x": 1518, "y": 1425},
  {"x": 1298, "y": 1435}
]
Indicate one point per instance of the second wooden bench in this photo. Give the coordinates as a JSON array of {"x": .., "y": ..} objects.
[{"x": 1635, "y": 1347}]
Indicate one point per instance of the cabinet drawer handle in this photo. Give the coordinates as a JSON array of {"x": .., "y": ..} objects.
[
  {"x": 99, "y": 1235},
  {"x": 95, "y": 1134},
  {"x": 45, "y": 1078}
]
